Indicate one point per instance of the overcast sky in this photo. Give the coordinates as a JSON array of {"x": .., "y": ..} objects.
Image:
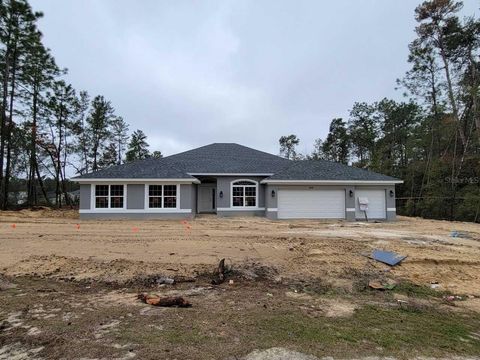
[{"x": 190, "y": 73}]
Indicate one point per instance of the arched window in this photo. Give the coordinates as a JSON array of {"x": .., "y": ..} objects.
[{"x": 244, "y": 193}]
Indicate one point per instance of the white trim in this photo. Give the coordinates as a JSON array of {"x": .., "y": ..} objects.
[
  {"x": 229, "y": 174},
  {"x": 241, "y": 209},
  {"x": 272, "y": 209},
  {"x": 350, "y": 209},
  {"x": 135, "y": 181},
  {"x": 391, "y": 209},
  {"x": 256, "y": 194},
  {"x": 331, "y": 182},
  {"x": 132, "y": 211}
]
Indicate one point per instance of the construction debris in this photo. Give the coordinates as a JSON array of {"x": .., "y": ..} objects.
[
  {"x": 165, "y": 280},
  {"x": 459, "y": 234},
  {"x": 382, "y": 285},
  {"x": 219, "y": 274},
  {"x": 451, "y": 298},
  {"x": 387, "y": 257},
  {"x": 168, "y": 301}
]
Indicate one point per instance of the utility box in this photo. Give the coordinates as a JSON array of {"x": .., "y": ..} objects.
[{"x": 363, "y": 203}]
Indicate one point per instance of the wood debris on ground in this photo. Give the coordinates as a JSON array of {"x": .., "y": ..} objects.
[{"x": 167, "y": 301}]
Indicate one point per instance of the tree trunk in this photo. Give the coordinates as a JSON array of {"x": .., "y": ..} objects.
[
  {"x": 4, "y": 122},
  {"x": 451, "y": 95},
  {"x": 474, "y": 86},
  {"x": 6, "y": 180},
  {"x": 32, "y": 186},
  {"x": 42, "y": 186}
]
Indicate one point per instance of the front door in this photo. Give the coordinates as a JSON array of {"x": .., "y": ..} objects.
[{"x": 206, "y": 198}]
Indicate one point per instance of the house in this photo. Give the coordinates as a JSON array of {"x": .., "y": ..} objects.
[{"x": 230, "y": 179}]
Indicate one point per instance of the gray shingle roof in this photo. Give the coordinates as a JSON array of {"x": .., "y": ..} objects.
[
  {"x": 140, "y": 169},
  {"x": 215, "y": 158},
  {"x": 326, "y": 170},
  {"x": 228, "y": 158}
]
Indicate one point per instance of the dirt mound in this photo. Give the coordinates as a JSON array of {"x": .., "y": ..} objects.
[
  {"x": 39, "y": 212},
  {"x": 115, "y": 272}
]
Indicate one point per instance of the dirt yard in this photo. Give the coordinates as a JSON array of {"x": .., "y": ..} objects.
[{"x": 301, "y": 285}]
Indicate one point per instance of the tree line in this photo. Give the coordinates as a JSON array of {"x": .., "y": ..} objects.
[
  {"x": 431, "y": 140},
  {"x": 47, "y": 128}
]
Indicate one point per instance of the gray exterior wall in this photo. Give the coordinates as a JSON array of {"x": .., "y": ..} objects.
[
  {"x": 349, "y": 203},
  {"x": 135, "y": 196},
  {"x": 85, "y": 196},
  {"x": 391, "y": 203},
  {"x": 188, "y": 200},
  {"x": 271, "y": 202},
  {"x": 188, "y": 197},
  {"x": 136, "y": 201},
  {"x": 241, "y": 213},
  {"x": 224, "y": 185}
]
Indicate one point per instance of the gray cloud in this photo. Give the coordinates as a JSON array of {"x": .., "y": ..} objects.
[{"x": 194, "y": 72}]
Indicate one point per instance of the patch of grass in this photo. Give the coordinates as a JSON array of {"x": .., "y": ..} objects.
[
  {"x": 178, "y": 336},
  {"x": 398, "y": 331},
  {"x": 185, "y": 336},
  {"x": 413, "y": 290}
]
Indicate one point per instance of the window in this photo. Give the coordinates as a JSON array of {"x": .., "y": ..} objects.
[
  {"x": 155, "y": 196},
  {"x": 109, "y": 196},
  {"x": 162, "y": 196},
  {"x": 244, "y": 193}
]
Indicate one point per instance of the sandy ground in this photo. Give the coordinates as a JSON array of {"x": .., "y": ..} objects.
[
  {"x": 58, "y": 244},
  {"x": 298, "y": 289}
]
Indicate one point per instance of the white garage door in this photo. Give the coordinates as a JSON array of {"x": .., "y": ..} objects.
[
  {"x": 311, "y": 204},
  {"x": 376, "y": 204}
]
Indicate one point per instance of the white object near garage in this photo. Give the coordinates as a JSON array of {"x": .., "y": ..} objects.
[
  {"x": 311, "y": 204},
  {"x": 376, "y": 209}
]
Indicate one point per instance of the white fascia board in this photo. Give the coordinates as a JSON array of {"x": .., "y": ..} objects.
[
  {"x": 331, "y": 182},
  {"x": 228, "y": 174},
  {"x": 136, "y": 181}
]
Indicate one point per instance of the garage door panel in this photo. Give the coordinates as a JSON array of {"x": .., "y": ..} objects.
[
  {"x": 376, "y": 204},
  {"x": 311, "y": 204}
]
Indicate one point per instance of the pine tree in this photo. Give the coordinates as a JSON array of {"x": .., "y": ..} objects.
[
  {"x": 98, "y": 128},
  {"x": 363, "y": 132},
  {"x": 120, "y": 137},
  {"x": 109, "y": 156},
  {"x": 336, "y": 147},
  {"x": 157, "y": 154},
  {"x": 17, "y": 34},
  {"x": 62, "y": 106},
  {"x": 288, "y": 145},
  {"x": 38, "y": 75},
  {"x": 138, "y": 146},
  {"x": 80, "y": 131}
]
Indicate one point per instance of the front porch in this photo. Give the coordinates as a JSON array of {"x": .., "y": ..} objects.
[
  {"x": 207, "y": 195},
  {"x": 229, "y": 195}
]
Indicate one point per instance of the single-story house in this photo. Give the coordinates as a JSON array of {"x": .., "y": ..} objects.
[{"x": 230, "y": 179}]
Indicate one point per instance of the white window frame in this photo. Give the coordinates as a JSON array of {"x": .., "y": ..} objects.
[
  {"x": 254, "y": 184},
  {"x": 161, "y": 209},
  {"x": 109, "y": 208}
]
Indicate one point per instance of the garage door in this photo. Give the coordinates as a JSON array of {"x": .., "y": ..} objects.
[
  {"x": 311, "y": 204},
  {"x": 376, "y": 204}
]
